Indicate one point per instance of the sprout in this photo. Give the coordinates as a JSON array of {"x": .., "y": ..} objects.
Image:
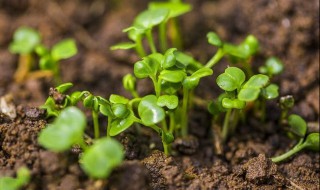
[{"x": 9, "y": 183}]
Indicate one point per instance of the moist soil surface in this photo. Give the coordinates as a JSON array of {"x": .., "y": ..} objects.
[{"x": 286, "y": 29}]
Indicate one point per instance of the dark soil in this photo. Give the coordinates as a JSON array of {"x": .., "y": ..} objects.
[{"x": 287, "y": 29}]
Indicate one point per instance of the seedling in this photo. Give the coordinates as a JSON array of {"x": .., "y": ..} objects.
[
  {"x": 286, "y": 103},
  {"x": 50, "y": 59},
  {"x": 9, "y": 183},
  {"x": 237, "y": 94},
  {"x": 236, "y": 53},
  {"x": 298, "y": 128},
  {"x": 157, "y": 15},
  {"x": 25, "y": 40},
  {"x": 273, "y": 66},
  {"x": 97, "y": 160}
]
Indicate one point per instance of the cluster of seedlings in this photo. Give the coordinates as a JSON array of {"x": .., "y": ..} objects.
[{"x": 174, "y": 75}]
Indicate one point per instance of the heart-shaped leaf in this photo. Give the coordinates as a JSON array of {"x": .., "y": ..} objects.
[
  {"x": 169, "y": 101},
  {"x": 231, "y": 79},
  {"x": 68, "y": 127},
  {"x": 102, "y": 157},
  {"x": 149, "y": 112}
]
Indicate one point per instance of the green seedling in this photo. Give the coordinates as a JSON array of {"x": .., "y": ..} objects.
[
  {"x": 272, "y": 67},
  {"x": 269, "y": 92},
  {"x": 236, "y": 53},
  {"x": 157, "y": 15},
  {"x": 24, "y": 42},
  {"x": 22, "y": 179},
  {"x": 237, "y": 94},
  {"x": 50, "y": 59},
  {"x": 298, "y": 127},
  {"x": 97, "y": 160}
]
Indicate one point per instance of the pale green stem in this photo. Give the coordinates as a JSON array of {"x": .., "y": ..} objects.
[
  {"x": 139, "y": 47},
  {"x": 291, "y": 152},
  {"x": 172, "y": 121},
  {"x": 95, "y": 124},
  {"x": 184, "y": 114},
  {"x": 151, "y": 41},
  {"x": 225, "y": 128},
  {"x": 162, "y": 37},
  {"x": 215, "y": 59}
]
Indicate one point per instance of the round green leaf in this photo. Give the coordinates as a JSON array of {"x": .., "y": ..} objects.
[
  {"x": 124, "y": 45},
  {"x": 129, "y": 82},
  {"x": 297, "y": 125},
  {"x": 121, "y": 124},
  {"x": 249, "y": 94},
  {"x": 149, "y": 112},
  {"x": 114, "y": 98},
  {"x": 102, "y": 157},
  {"x": 169, "y": 101},
  {"x": 25, "y": 39},
  {"x": 169, "y": 58},
  {"x": 233, "y": 103},
  {"x": 214, "y": 39},
  {"x": 273, "y": 66},
  {"x": 251, "y": 45},
  {"x": 173, "y": 76},
  {"x": 150, "y": 18},
  {"x": 88, "y": 101},
  {"x": 312, "y": 142},
  {"x": 257, "y": 81},
  {"x": 231, "y": 79},
  {"x": 169, "y": 87},
  {"x": 271, "y": 91},
  {"x": 120, "y": 110},
  {"x": 176, "y": 8},
  {"x": 148, "y": 67},
  {"x": 68, "y": 128},
  {"x": 62, "y": 88},
  {"x": 64, "y": 49}
]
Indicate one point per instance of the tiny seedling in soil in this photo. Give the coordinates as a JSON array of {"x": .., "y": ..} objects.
[
  {"x": 159, "y": 14},
  {"x": 26, "y": 42},
  {"x": 97, "y": 160},
  {"x": 298, "y": 129},
  {"x": 286, "y": 103},
  {"x": 237, "y": 94},
  {"x": 22, "y": 179}
]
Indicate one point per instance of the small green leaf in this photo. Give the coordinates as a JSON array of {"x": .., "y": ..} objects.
[
  {"x": 114, "y": 98},
  {"x": 173, "y": 76},
  {"x": 169, "y": 101},
  {"x": 249, "y": 94},
  {"x": 9, "y": 183},
  {"x": 236, "y": 51},
  {"x": 233, "y": 103},
  {"x": 231, "y": 79},
  {"x": 214, "y": 39},
  {"x": 273, "y": 66},
  {"x": 47, "y": 63},
  {"x": 297, "y": 125},
  {"x": 251, "y": 89},
  {"x": 257, "y": 81},
  {"x": 149, "y": 112},
  {"x": 312, "y": 142},
  {"x": 270, "y": 92},
  {"x": 102, "y": 157},
  {"x": 88, "y": 101},
  {"x": 167, "y": 137},
  {"x": 121, "y": 124},
  {"x": 62, "y": 88},
  {"x": 169, "y": 87},
  {"x": 148, "y": 67},
  {"x": 129, "y": 82},
  {"x": 192, "y": 81},
  {"x": 41, "y": 50},
  {"x": 124, "y": 45},
  {"x": 50, "y": 107},
  {"x": 135, "y": 32},
  {"x": 64, "y": 49},
  {"x": 150, "y": 18},
  {"x": 169, "y": 58},
  {"x": 25, "y": 39},
  {"x": 105, "y": 107},
  {"x": 251, "y": 45},
  {"x": 120, "y": 110},
  {"x": 176, "y": 8},
  {"x": 68, "y": 128}
]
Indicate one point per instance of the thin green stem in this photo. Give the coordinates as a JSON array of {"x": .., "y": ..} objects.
[
  {"x": 225, "y": 128},
  {"x": 263, "y": 109},
  {"x": 184, "y": 114},
  {"x": 164, "y": 125},
  {"x": 162, "y": 37},
  {"x": 215, "y": 59},
  {"x": 139, "y": 47},
  {"x": 175, "y": 33},
  {"x": 235, "y": 114},
  {"x": 166, "y": 148},
  {"x": 172, "y": 121},
  {"x": 151, "y": 41},
  {"x": 95, "y": 124},
  {"x": 283, "y": 116},
  {"x": 135, "y": 94},
  {"x": 157, "y": 85},
  {"x": 291, "y": 152}
]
